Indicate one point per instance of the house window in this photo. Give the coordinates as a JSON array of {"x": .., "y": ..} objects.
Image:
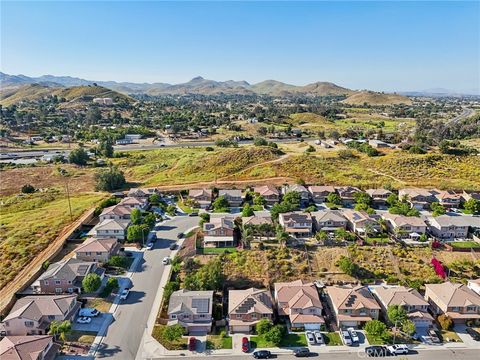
[
  {"x": 46, "y": 282},
  {"x": 201, "y": 316},
  {"x": 51, "y": 317},
  {"x": 69, "y": 281},
  {"x": 254, "y": 316},
  {"x": 265, "y": 316},
  {"x": 173, "y": 316},
  {"x": 58, "y": 290},
  {"x": 99, "y": 253},
  {"x": 57, "y": 282},
  {"x": 29, "y": 323},
  {"x": 239, "y": 316},
  {"x": 471, "y": 308}
]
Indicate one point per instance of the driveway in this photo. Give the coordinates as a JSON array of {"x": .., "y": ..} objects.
[
  {"x": 94, "y": 325},
  {"x": 467, "y": 339}
]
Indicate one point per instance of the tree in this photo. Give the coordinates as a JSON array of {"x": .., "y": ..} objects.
[
  {"x": 263, "y": 326},
  {"x": 112, "y": 283},
  {"x": 408, "y": 327},
  {"x": 78, "y": 156},
  {"x": 347, "y": 265},
  {"x": 91, "y": 282},
  {"x": 396, "y": 314},
  {"x": 274, "y": 335},
  {"x": 247, "y": 210},
  {"x": 375, "y": 328},
  {"x": 282, "y": 236},
  {"x": 109, "y": 179},
  {"x": 137, "y": 233},
  {"x": 106, "y": 148},
  {"x": 310, "y": 149},
  {"x": 471, "y": 205},
  {"x": 334, "y": 199},
  {"x": 150, "y": 220},
  {"x": 136, "y": 216},
  {"x": 117, "y": 261},
  {"x": 208, "y": 277},
  {"x": 259, "y": 200},
  {"x": 154, "y": 199},
  {"x": 60, "y": 329},
  {"x": 322, "y": 235},
  {"x": 293, "y": 199},
  {"x": 220, "y": 204},
  {"x": 173, "y": 332},
  {"x": 28, "y": 189},
  {"x": 169, "y": 289},
  {"x": 437, "y": 209},
  {"x": 445, "y": 321}
]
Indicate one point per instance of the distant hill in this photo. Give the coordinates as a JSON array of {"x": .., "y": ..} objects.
[
  {"x": 274, "y": 88},
  {"x": 374, "y": 98},
  {"x": 13, "y": 94}
]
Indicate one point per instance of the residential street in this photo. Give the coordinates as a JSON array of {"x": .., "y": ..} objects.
[{"x": 123, "y": 336}]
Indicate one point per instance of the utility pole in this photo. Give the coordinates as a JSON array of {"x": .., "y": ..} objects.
[{"x": 64, "y": 174}]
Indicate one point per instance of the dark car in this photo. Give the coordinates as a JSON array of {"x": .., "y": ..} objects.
[
  {"x": 473, "y": 333},
  {"x": 179, "y": 236},
  {"x": 128, "y": 254},
  {"x": 376, "y": 351},
  {"x": 262, "y": 354},
  {"x": 245, "y": 344},
  {"x": 173, "y": 246},
  {"x": 192, "y": 343},
  {"x": 302, "y": 352},
  {"x": 193, "y": 214}
]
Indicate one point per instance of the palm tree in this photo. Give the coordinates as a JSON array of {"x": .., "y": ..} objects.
[
  {"x": 60, "y": 329},
  {"x": 247, "y": 236}
]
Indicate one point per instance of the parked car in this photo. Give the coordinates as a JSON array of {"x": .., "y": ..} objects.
[
  {"x": 398, "y": 349},
  {"x": 166, "y": 260},
  {"x": 179, "y": 236},
  {"x": 302, "y": 352},
  {"x": 434, "y": 336},
  {"x": 318, "y": 337},
  {"x": 245, "y": 344},
  {"x": 475, "y": 335},
  {"x": 310, "y": 337},
  {"x": 150, "y": 246},
  {"x": 376, "y": 351},
  {"x": 88, "y": 312},
  {"x": 345, "y": 335},
  {"x": 173, "y": 246},
  {"x": 124, "y": 294},
  {"x": 192, "y": 343},
  {"x": 262, "y": 354},
  {"x": 353, "y": 334},
  {"x": 84, "y": 320},
  {"x": 128, "y": 254}
]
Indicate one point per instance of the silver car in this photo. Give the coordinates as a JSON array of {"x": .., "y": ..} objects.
[
  {"x": 318, "y": 337},
  {"x": 310, "y": 337}
]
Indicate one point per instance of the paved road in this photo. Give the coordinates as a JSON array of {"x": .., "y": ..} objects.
[
  {"x": 421, "y": 355},
  {"x": 125, "y": 333},
  {"x": 467, "y": 112}
]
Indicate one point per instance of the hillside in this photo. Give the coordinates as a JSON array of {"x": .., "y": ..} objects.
[
  {"x": 374, "y": 98},
  {"x": 84, "y": 92},
  {"x": 325, "y": 89},
  {"x": 274, "y": 88},
  {"x": 13, "y": 94}
]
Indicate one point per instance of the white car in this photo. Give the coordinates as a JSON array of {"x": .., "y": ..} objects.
[
  {"x": 149, "y": 246},
  {"x": 88, "y": 312},
  {"x": 124, "y": 294},
  {"x": 345, "y": 335},
  {"x": 398, "y": 349},
  {"x": 318, "y": 337},
  {"x": 353, "y": 334},
  {"x": 166, "y": 260},
  {"x": 310, "y": 337},
  {"x": 84, "y": 320}
]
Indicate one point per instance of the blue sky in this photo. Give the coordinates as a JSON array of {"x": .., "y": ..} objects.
[{"x": 376, "y": 45}]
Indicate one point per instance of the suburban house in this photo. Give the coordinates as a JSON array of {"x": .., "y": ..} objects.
[
  {"x": 269, "y": 192},
  {"x": 97, "y": 250},
  {"x": 142, "y": 193},
  {"x": 218, "y": 232},
  {"x": 32, "y": 315},
  {"x": 109, "y": 228},
  {"x": 409, "y": 299},
  {"x": 247, "y": 307},
  {"x": 192, "y": 310},
  {"x": 353, "y": 305},
  {"x": 418, "y": 198},
  {"x": 347, "y": 194},
  {"x": 474, "y": 285},
  {"x": 446, "y": 227},
  {"x": 467, "y": 195},
  {"x": 448, "y": 199},
  {"x": 379, "y": 196},
  {"x": 134, "y": 203},
  {"x": 234, "y": 197},
  {"x": 457, "y": 301},
  {"x": 302, "y": 190},
  {"x": 404, "y": 227},
  {"x": 34, "y": 347},
  {"x": 203, "y": 197},
  {"x": 362, "y": 223},
  {"x": 329, "y": 220},
  {"x": 115, "y": 212},
  {"x": 300, "y": 302},
  {"x": 66, "y": 276},
  {"x": 296, "y": 223},
  {"x": 319, "y": 193}
]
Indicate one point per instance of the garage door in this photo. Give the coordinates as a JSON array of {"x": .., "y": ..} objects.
[
  {"x": 312, "y": 326},
  {"x": 198, "y": 331},
  {"x": 346, "y": 324},
  {"x": 241, "y": 329}
]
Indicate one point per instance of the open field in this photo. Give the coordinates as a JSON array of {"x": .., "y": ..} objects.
[{"x": 29, "y": 223}]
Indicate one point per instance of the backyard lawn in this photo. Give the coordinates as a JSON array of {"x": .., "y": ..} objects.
[
  {"x": 376, "y": 240},
  {"x": 332, "y": 339}
]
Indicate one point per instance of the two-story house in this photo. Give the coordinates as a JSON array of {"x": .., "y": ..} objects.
[
  {"x": 203, "y": 197},
  {"x": 296, "y": 223},
  {"x": 218, "y": 232},
  {"x": 300, "y": 302},
  {"x": 66, "y": 276},
  {"x": 446, "y": 227},
  {"x": 409, "y": 299},
  {"x": 302, "y": 190},
  {"x": 134, "y": 203},
  {"x": 353, "y": 305},
  {"x": 448, "y": 199},
  {"x": 269, "y": 192},
  {"x": 142, "y": 193},
  {"x": 405, "y": 227},
  {"x": 378, "y": 196},
  {"x": 247, "y": 307},
  {"x": 261, "y": 224},
  {"x": 319, "y": 194},
  {"x": 329, "y": 220},
  {"x": 97, "y": 250},
  {"x": 233, "y": 196},
  {"x": 362, "y": 223},
  {"x": 417, "y": 197},
  {"x": 457, "y": 301},
  {"x": 192, "y": 310},
  {"x": 32, "y": 315},
  {"x": 347, "y": 194},
  {"x": 116, "y": 212},
  {"x": 110, "y": 228},
  {"x": 33, "y": 347}
]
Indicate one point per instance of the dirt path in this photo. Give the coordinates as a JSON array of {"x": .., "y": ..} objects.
[{"x": 386, "y": 175}]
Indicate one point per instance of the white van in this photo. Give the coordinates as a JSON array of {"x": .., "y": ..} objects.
[{"x": 88, "y": 312}]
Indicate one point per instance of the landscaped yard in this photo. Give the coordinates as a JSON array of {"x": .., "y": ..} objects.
[
  {"x": 212, "y": 250},
  {"x": 448, "y": 335},
  {"x": 83, "y": 337},
  {"x": 185, "y": 208},
  {"x": 294, "y": 340},
  {"x": 464, "y": 244},
  {"x": 257, "y": 342},
  {"x": 377, "y": 240},
  {"x": 332, "y": 339},
  {"x": 101, "y": 304},
  {"x": 372, "y": 340},
  {"x": 219, "y": 342},
  {"x": 180, "y": 344}
]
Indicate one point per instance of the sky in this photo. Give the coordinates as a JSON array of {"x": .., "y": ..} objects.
[{"x": 388, "y": 45}]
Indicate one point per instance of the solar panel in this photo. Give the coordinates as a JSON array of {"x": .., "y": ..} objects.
[
  {"x": 201, "y": 305},
  {"x": 247, "y": 305}
]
